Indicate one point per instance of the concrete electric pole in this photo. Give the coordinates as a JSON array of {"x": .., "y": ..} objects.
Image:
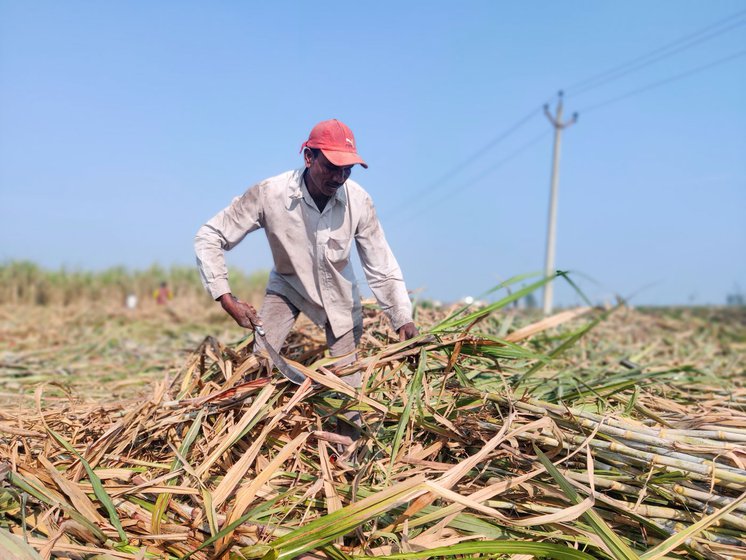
[{"x": 558, "y": 125}]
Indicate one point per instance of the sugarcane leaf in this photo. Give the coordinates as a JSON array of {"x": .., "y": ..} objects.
[
  {"x": 13, "y": 547},
  {"x": 413, "y": 389},
  {"x": 232, "y": 526},
  {"x": 27, "y": 487},
  {"x": 334, "y": 553},
  {"x": 461, "y": 321},
  {"x": 543, "y": 550},
  {"x": 616, "y": 546},
  {"x": 501, "y": 348},
  {"x": 325, "y": 529},
  {"x": 568, "y": 343},
  {"x": 501, "y": 285},
  {"x": 566, "y": 276},
  {"x": 630, "y": 406},
  {"x": 210, "y": 513},
  {"x": 161, "y": 503},
  {"x": 98, "y": 487}
]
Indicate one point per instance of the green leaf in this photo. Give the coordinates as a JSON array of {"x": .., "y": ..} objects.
[
  {"x": 29, "y": 488},
  {"x": 452, "y": 322},
  {"x": 543, "y": 550},
  {"x": 98, "y": 487},
  {"x": 161, "y": 503},
  {"x": 503, "y": 349},
  {"x": 334, "y": 553},
  {"x": 616, "y": 546},
  {"x": 577, "y": 335},
  {"x": 232, "y": 526},
  {"x": 412, "y": 391},
  {"x": 325, "y": 529}
]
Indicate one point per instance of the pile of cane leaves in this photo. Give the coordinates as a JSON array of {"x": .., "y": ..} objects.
[{"x": 480, "y": 439}]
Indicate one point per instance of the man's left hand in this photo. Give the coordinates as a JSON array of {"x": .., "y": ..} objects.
[{"x": 407, "y": 331}]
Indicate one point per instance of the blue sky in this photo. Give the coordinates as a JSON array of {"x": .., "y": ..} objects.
[{"x": 126, "y": 125}]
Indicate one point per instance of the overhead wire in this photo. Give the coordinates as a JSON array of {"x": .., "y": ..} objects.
[
  {"x": 670, "y": 49},
  {"x": 665, "y": 81},
  {"x": 486, "y": 172},
  {"x": 456, "y": 169}
]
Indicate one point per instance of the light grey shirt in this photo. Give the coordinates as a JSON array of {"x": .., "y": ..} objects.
[{"x": 311, "y": 250}]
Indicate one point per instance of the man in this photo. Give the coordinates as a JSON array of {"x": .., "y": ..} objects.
[{"x": 311, "y": 217}]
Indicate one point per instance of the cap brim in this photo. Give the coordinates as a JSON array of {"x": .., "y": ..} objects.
[{"x": 342, "y": 159}]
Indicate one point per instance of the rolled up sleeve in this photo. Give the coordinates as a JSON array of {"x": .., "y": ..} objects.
[
  {"x": 384, "y": 276},
  {"x": 221, "y": 233}
]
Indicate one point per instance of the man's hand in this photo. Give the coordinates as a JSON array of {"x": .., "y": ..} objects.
[
  {"x": 243, "y": 313},
  {"x": 407, "y": 331}
]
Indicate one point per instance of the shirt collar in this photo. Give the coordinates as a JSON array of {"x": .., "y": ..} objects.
[{"x": 297, "y": 190}]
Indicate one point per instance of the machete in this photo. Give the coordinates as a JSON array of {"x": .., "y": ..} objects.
[{"x": 279, "y": 362}]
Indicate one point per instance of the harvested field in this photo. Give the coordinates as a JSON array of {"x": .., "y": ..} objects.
[{"x": 592, "y": 434}]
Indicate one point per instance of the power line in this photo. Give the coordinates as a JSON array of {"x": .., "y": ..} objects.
[
  {"x": 485, "y": 172},
  {"x": 654, "y": 60},
  {"x": 665, "y": 81},
  {"x": 428, "y": 189},
  {"x": 683, "y": 43}
]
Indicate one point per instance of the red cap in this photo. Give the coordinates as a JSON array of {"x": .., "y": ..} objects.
[{"x": 336, "y": 142}]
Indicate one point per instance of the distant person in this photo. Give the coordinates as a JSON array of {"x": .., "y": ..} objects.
[
  {"x": 163, "y": 294},
  {"x": 311, "y": 217},
  {"x": 130, "y": 302}
]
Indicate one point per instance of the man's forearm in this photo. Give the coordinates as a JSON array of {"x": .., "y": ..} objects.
[{"x": 211, "y": 261}]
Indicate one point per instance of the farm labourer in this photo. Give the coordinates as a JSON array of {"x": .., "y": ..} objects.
[
  {"x": 311, "y": 217},
  {"x": 163, "y": 294}
]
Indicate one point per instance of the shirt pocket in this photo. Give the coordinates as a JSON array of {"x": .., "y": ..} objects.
[{"x": 338, "y": 252}]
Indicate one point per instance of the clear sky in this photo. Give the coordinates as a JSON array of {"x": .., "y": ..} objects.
[{"x": 126, "y": 125}]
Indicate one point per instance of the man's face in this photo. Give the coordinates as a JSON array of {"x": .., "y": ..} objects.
[{"x": 325, "y": 177}]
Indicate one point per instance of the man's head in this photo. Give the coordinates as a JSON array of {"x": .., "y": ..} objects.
[
  {"x": 322, "y": 176},
  {"x": 336, "y": 142}
]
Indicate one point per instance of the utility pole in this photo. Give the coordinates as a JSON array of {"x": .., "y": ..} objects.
[{"x": 558, "y": 125}]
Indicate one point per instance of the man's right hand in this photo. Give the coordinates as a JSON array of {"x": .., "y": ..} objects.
[{"x": 243, "y": 313}]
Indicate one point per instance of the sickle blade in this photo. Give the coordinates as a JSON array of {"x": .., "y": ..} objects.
[{"x": 279, "y": 362}]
